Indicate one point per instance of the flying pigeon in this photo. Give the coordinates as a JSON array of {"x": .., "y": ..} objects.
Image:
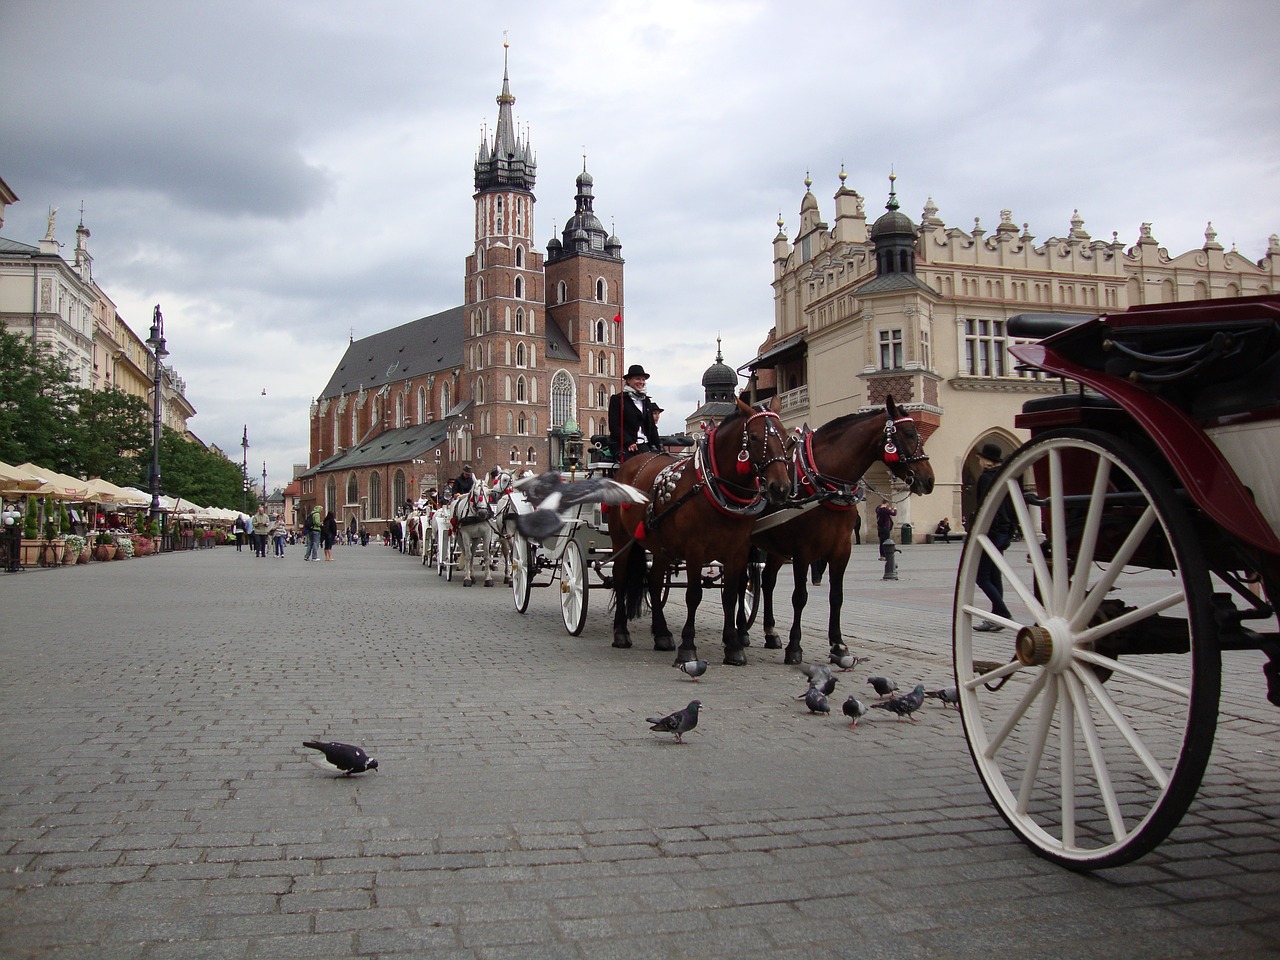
[
  {"x": 679, "y": 723},
  {"x": 820, "y": 676},
  {"x": 694, "y": 668},
  {"x": 343, "y": 756},
  {"x": 551, "y": 495},
  {"x": 854, "y": 709},
  {"x": 882, "y": 685},
  {"x": 847, "y": 661},
  {"x": 816, "y": 701},
  {"x": 948, "y": 695},
  {"x": 905, "y": 705}
]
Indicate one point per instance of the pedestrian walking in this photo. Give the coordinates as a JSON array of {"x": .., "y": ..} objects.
[
  {"x": 988, "y": 578},
  {"x": 279, "y": 533},
  {"x": 261, "y": 527},
  {"x": 311, "y": 528}
]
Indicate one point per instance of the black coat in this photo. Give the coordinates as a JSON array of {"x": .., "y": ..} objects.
[{"x": 626, "y": 420}]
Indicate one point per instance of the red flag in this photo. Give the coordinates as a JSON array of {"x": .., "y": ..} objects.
[{"x": 617, "y": 318}]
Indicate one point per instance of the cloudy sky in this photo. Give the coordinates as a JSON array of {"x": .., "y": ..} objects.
[{"x": 283, "y": 174}]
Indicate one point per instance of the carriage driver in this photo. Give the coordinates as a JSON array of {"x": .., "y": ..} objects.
[
  {"x": 463, "y": 483},
  {"x": 632, "y": 425}
]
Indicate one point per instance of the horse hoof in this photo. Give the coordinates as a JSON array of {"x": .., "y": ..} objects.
[
  {"x": 772, "y": 642},
  {"x": 488, "y": 583},
  {"x": 793, "y": 657},
  {"x": 622, "y": 642},
  {"x": 665, "y": 644},
  {"x": 685, "y": 655},
  {"x": 734, "y": 657},
  {"x": 466, "y": 583},
  {"x": 744, "y": 640},
  {"x": 839, "y": 650}
]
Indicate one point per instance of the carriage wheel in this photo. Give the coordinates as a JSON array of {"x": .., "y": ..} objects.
[
  {"x": 450, "y": 556},
  {"x": 1090, "y": 719},
  {"x": 573, "y": 588},
  {"x": 521, "y": 571}
]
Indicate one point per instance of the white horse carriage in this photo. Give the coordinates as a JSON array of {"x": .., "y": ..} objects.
[
  {"x": 579, "y": 557},
  {"x": 473, "y": 528}
]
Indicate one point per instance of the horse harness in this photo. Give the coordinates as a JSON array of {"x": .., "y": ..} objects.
[{"x": 718, "y": 491}]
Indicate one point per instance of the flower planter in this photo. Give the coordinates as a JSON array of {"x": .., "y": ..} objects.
[
  {"x": 104, "y": 551},
  {"x": 69, "y": 556},
  {"x": 84, "y": 555}
]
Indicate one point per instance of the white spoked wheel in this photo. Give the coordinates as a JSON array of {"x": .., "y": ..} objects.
[
  {"x": 573, "y": 588},
  {"x": 444, "y": 546},
  {"x": 1091, "y": 714},
  {"x": 451, "y": 557},
  {"x": 751, "y": 598},
  {"x": 521, "y": 571}
]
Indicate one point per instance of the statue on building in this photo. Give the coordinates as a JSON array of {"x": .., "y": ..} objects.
[{"x": 53, "y": 215}]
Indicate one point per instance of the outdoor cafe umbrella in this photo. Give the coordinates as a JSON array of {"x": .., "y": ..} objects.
[
  {"x": 15, "y": 481},
  {"x": 56, "y": 485}
]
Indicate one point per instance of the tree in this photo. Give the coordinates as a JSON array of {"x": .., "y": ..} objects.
[
  {"x": 37, "y": 399},
  {"x": 111, "y": 436},
  {"x": 202, "y": 476}
]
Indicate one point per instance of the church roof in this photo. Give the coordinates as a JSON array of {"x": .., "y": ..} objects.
[
  {"x": 412, "y": 349},
  {"x": 559, "y": 349},
  {"x": 887, "y": 282}
]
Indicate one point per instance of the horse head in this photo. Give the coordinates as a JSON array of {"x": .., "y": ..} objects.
[
  {"x": 752, "y": 441},
  {"x": 903, "y": 450}
]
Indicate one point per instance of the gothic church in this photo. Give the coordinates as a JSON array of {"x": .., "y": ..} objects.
[{"x": 516, "y": 376}]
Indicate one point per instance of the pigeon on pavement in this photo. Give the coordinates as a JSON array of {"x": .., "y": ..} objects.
[
  {"x": 679, "y": 723},
  {"x": 816, "y": 701},
  {"x": 343, "y": 757},
  {"x": 820, "y": 676},
  {"x": 905, "y": 705},
  {"x": 552, "y": 495},
  {"x": 854, "y": 709},
  {"x": 694, "y": 668},
  {"x": 882, "y": 685},
  {"x": 847, "y": 661},
  {"x": 948, "y": 695}
]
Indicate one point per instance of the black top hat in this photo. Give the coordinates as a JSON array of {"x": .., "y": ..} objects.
[
  {"x": 991, "y": 452},
  {"x": 635, "y": 370},
  {"x": 467, "y": 468}
]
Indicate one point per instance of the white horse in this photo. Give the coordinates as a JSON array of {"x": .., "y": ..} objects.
[
  {"x": 470, "y": 516},
  {"x": 506, "y": 504}
]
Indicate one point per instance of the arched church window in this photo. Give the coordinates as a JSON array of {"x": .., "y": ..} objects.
[{"x": 600, "y": 290}]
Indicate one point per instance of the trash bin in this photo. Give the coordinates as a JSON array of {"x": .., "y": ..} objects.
[{"x": 906, "y": 533}]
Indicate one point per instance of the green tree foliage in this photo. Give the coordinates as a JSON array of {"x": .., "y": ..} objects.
[
  {"x": 189, "y": 471},
  {"x": 37, "y": 396},
  {"x": 111, "y": 436}
]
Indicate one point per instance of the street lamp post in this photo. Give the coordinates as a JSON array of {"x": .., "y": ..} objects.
[
  {"x": 244, "y": 472},
  {"x": 157, "y": 345},
  {"x": 264, "y": 482}
]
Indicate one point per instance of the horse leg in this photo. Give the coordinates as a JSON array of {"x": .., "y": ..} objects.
[
  {"x": 662, "y": 639},
  {"x": 486, "y": 545},
  {"x": 768, "y": 581},
  {"x": 799, "y": 597},
  {"x": 834, "y": 637},
  {"x": 730, "y": 594},
  {"x": 628, "y": 591}
]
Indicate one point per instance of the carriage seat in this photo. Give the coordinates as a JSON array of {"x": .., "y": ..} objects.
[{"x": 1037, "y": 326}]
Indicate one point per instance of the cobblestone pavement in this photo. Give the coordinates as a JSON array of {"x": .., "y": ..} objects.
[{"x": 156, "y": 801}]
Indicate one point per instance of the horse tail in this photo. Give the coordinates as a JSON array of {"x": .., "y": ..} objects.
[{"x": 630, "y": 584}]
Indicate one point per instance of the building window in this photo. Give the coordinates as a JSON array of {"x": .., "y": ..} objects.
[
  {"x": 600, "y": 290},
  {"x": 520, "y": 390},
  {"x": 562, "y": 292},
  {"x": 599, "y": 331},
  {"x": 499, "y": 216},
  {"x": 522, "y": 426},
  {"x": 479, "y": 390},
  {"x": 519, "y": 288},
  {"x": 519, "y": 321},
  {"x": 398, "y": 492},
  {"x": 985, "y": 348},
  {"x": 530, "y": 458},
  {"x": 561, "y": 398},
  {"x": 519, "y": 256},
  {"x": 515, "y": 455},
  {"x": 331, "y": 495},
  {"x": 375, "y": 495},
  {"x": 445, "y": 397},
  {"x": 890, "y": 349},
  {"x": 353, "y": 490},
  {"x": 602, "y": 364},
  {"x": 926, "y": 359},
  {"x": 422, "y": 404},
  {"x": 602, "y": 396},
  {"x": 520, "y": 355}
]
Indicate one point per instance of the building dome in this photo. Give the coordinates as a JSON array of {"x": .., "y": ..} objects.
[
  {"x": 720, "y": 381},
  {"x": 893, "y": 223}
]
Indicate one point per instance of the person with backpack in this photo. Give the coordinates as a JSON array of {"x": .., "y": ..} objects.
[{"x": 311, "y": 528}]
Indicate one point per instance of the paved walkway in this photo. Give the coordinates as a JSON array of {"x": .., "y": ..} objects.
[{"x": 156, "y": 802}]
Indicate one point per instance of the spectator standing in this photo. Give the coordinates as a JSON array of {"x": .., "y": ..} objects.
[
  {"x": 311, "y": 527},
  {"x": 329, "y": 534},
  {"x": 884, "y": 523}
]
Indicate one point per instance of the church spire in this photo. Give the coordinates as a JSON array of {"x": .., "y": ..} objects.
[{"x": 508, "y": 162}]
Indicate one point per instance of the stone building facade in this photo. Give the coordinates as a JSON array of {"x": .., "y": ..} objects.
[
  {"x": 516, "y": 376},
  {"x": 864, "y": 309}
]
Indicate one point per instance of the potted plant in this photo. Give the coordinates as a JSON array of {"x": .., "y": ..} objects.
[
  {"x": 76, "y": 549},
  {"x": 31, "y": 534},
  {"x": 124, "y": 547},
  {"x": 104, "y": 546},
  {"x": 141, "y": 545},
  {"x": 51, "y": 548}
]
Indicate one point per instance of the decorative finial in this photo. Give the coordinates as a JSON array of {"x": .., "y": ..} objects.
[
  {"x": 893, "y": 197},
  {"x": 719, "y": 354},
  {"x": 843, "y": 176},
  {"x": 781, "y": 222},
  {"x": 584, "y": 158},
  {"x": 807, "y": 182}
]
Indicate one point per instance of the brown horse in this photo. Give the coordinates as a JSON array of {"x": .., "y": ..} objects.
[
  {"x": 701, "y": 509},
  {"x": 827, "y": 464}
]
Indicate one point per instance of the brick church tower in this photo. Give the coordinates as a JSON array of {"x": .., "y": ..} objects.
[{"x": 542, "y": 350}]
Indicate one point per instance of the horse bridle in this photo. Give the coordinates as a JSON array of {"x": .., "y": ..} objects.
[{"x": 745, "y": 462}]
